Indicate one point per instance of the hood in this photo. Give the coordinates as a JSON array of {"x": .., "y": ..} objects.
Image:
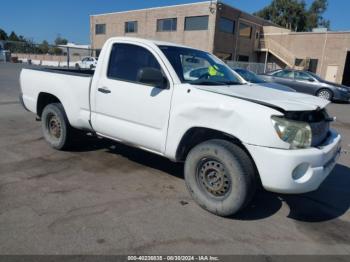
[
  {"x": 280, "y": 100},
  {"x": 335, "y": 84},
  {"x": 276, "y": 86}
]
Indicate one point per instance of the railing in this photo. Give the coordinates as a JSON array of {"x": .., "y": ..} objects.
[
  {"x": 277, "y": 50},
  {"x": 258, "y": 68}
]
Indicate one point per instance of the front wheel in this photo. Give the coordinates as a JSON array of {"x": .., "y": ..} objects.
[
  {"x": 325, "y": 94},
  {"x": 220, "y": 176}
]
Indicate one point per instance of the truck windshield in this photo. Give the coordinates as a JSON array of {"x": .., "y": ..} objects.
[{"x": 199, "y": 67}]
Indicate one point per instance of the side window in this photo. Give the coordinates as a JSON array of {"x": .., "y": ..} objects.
[
  {"x": 285, "y": 74},
  {"x": 126, "y": 61},
  {"x": 302, "y": 76}
]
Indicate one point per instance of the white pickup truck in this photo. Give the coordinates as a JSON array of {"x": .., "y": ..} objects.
[{"x": 231, "y": 135}]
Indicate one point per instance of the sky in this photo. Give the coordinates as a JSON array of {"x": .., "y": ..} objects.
[{"x": 45, "y": 20}]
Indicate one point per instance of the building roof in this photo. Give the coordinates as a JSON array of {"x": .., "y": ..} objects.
[{"x": 159, "y": 7}]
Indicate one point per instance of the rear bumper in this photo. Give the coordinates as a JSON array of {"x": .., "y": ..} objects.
[{"x": 296, "y": 171}]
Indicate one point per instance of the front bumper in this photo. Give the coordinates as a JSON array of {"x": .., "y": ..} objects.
[
  {"x": 341, "y": 96},
  {"x": 296, "y": 171}
]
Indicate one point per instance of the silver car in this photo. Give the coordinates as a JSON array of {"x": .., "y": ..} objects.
[
  {"x": 251, "y": 77},
  {"x": 309, "y": 83}
]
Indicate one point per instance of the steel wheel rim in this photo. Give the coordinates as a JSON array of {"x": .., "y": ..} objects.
[
  {"x": 324, "y": 94},
  {"x": 54, "y": 126},
  {"x": 213, "y": 178}
]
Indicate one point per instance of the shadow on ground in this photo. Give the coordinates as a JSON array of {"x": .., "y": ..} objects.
[{"x": 330, "y": 201}]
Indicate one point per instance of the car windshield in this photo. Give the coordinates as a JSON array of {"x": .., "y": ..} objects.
[
  {"x": 249, "y": 76},
  {"x": 199, "y": 67}
]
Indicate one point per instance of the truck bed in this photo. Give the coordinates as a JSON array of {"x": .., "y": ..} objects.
[
  {"x": 70, "y": 86},
  {"x": 66, "y": 71}
]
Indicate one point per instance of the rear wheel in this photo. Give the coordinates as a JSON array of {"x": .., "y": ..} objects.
[
  {"x": 56, "y": 128},
  {"x": 220, "y": 177},
  {"x": 77, "y": 66},
  {"x": 325, "y": 94}
]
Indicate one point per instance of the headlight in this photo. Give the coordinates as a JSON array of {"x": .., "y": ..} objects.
[
  {"x": 297, "y": 134},
  {"x": 342, "y": 89}
]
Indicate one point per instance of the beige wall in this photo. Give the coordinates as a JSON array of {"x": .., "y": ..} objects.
[
  {"x": 147, "y": 25},
  {"x": 329, "y": 48}
]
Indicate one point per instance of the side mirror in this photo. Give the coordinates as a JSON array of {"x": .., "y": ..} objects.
[
  {"x": 311, "y": 80},
  {"x": 152, "y": 76}
]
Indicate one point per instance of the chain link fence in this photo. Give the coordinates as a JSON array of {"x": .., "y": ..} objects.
[
  {"x": 258, "y": 68},
  {"x": 44, "y": 54}
]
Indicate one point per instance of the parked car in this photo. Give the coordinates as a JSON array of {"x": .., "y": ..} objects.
[
  {"x": 309, "y": 83},
  {"x": 253, "y": 78},
  {"x": 86, "y": 63},
  {"x": 229, "y": 137}
]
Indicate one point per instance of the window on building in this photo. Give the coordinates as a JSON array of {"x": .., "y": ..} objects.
[
  {"x": 243, "y": 58},
  {"x": 121, "y": 67},
  {"x": 245, "y": 30},
  {"x": 227, "y": 25},
  {"x": 168, "y": 24},
  {"x": 196, "y": 23},
  {"x": 100, "y": 29},
  {"x": 131, "y": 27}
]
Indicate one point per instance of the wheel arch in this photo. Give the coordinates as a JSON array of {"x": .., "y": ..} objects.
[
  {"x": 197, "y": 135},
  {"x": 45, "y": 99}
]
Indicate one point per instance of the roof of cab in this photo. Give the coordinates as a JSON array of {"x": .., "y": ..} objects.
[{"x": 147, "y": 41}]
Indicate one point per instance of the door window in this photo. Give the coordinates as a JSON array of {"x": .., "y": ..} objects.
[
  {"x": 302, "y": 76},
  {"x": 285, "y": 74},
  {"x": 127, "y": 60}
]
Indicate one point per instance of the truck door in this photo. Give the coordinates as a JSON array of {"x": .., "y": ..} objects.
[{"x": 126, "y": 108}]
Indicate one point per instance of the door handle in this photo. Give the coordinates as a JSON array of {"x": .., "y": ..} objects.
[{"x": 104, "y": 90}]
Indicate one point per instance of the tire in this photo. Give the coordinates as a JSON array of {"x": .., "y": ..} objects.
[
  {"x": 325, "y": 94},
  {"x": 77, "y": 66},
  {"x": 56, "y": 128},
  {"x": 224, "y": 164}
]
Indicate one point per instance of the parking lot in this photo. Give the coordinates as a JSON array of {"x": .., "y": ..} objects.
[{"x": 107, "y": 198}]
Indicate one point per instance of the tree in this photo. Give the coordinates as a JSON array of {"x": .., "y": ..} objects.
[
  {"x": 3, "y": 35},
  {"x": 13, "y": 37},
  {"x": 44, "y": 47},
  {"x": 315, "y": 12},
  {"x": 294, "y": 15},
  {"x": 60, "y": 41}
]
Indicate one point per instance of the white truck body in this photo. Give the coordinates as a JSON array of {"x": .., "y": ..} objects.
[{"x": 157, "y": 119}]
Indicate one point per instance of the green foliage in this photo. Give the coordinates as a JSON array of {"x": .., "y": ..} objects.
[
  {"x": 294, "y": 14},
  {"x": 20, "y": 44},
  {"x": 60, "y": 41},
  {"x": 13, "y": 37},
  {"x": 44, "y": 47},
  {"x": 3, "y": 35}
]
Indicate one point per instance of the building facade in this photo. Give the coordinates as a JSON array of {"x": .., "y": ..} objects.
[{"x": 230, "y": 34}]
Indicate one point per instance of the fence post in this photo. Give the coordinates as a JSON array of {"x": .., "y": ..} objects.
[
  {"x": 266, "y": 57},
  {"x": 68, "y": 57}
]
